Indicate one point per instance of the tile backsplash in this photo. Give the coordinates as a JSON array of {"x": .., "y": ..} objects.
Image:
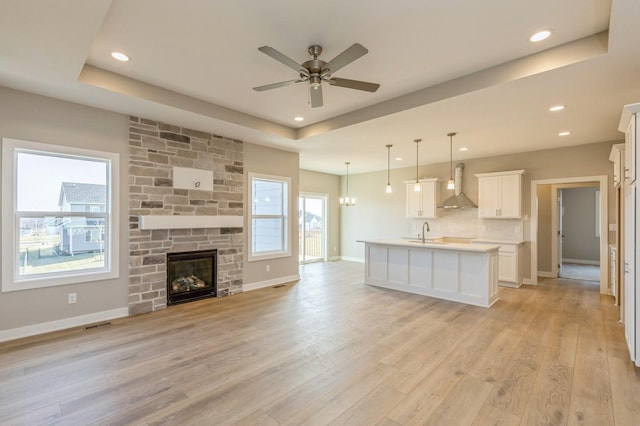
[{"x": 466, "y": 223}]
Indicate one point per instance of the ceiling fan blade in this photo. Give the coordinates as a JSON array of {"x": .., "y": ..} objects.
[
  {"x": 276, "y": 85},
  {"x": 270, "y": 51},
  {"x": 345, "y": 58},
  {"x": 354, "y": 84},
  {"x": 315, "y": 93}
]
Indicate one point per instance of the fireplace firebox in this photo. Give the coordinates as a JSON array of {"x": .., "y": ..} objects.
[{"x": 191, "y": 276}]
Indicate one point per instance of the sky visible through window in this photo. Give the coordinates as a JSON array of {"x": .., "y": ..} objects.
[{"x": 39, "y": 177}]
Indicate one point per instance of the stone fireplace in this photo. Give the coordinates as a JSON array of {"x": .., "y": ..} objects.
[{"x": 155, "y": 151}]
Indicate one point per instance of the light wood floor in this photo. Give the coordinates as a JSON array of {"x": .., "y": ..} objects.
[{"x": 331, "y": 350}]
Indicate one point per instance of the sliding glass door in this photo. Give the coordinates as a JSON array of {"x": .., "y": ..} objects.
[{"x": 312, "y": 228}]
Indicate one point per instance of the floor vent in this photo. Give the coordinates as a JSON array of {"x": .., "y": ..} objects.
[
  {"x": 89, "y": 327},
  {"x": 278, "y": 286}
]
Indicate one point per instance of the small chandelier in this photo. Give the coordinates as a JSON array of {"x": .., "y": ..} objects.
[
  {"x": 388, "y": 190},
  {"x": 416, "y": 186},
  {"x": 347, "y": 201},
  {"x": 451, "y": 184}
]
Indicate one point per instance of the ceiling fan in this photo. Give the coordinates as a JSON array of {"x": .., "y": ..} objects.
[{"x": 315, "y": 71}]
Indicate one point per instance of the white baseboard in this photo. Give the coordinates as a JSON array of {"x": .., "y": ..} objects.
[
  {"x": 270, "y": 283},
  {"x": 334, "y": 258},
  {"x": 527, "y": 281},
  {"x": 46, "y": 327},
  {"x": 546, "y": 274},
  {"x": 582, "y": 262},
  {"x": 352, "y": 259}
]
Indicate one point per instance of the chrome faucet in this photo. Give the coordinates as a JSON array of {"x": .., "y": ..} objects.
[{"x": 428, "y": 230}]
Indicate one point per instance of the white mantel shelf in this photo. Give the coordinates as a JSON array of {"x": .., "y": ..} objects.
[{"x": 187, "y": 222}]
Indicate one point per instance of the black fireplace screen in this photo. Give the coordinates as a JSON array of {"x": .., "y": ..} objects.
[{"x": 191, "y": 276}]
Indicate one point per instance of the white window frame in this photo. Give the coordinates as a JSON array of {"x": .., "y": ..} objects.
[
  {"x": 10, "y": 218},
  {"x": 286, "y": 239}
]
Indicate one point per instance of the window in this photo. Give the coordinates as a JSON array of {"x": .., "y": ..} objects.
[
  {"x": 269, "y": 233},
  {"x": 59, "y": 221}
]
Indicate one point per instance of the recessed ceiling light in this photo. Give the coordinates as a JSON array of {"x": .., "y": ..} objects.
[
  {"x": 298, "y": 118},
  {"x": 557, "y": 108},
  {"x": 540, "y": 35},
  {"x": 119, "y": 56},
  {"x": 564, "y": 133},
  {"x": 463, "y": 148},
  {"x": 398, "y": 158}
]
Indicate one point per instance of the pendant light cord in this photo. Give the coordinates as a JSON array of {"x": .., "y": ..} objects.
[
  {"x": 450, "y": 156},
  {"x": 417, "y": 141},
  {"x": 451, "y": 184},
  {"x": 389, "y": 164},
  {"x": 347, "y": 163}
]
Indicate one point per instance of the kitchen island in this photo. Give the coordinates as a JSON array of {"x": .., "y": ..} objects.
[{"x": 459, "y": 272}]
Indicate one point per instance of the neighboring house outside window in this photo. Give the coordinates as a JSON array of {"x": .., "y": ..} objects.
[
  {"x": 62, "y": 226},
  {"x": 82, "y": 234},
  {"x": 269, "y": 233}
]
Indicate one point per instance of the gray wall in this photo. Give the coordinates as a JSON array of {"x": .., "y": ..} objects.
[
  {"x": 379, "y": 215},
  {"x": 41, "y": 119},
  {"x": 579, "y": 224},
  {"x": 322, "y": 183},
  {"x": 260, "y": 159}
]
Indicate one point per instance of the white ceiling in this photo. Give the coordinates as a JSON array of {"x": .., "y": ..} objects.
[{"x": 460, "y": 65}]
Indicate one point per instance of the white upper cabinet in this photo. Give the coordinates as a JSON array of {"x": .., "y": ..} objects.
[
  {"x": 630, "y": 147},
  {"x": 422, "y": 203},
  {"x": 617, "y": 158},
  {"x": 629, "y": 125},
  {"x": 500, "y": 195}
]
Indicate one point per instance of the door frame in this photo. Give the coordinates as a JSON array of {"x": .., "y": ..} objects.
[
  {"x": 556, "y": 242},
  {"x": 604, "y": 220},
  {"x": 325, "y": 222}
]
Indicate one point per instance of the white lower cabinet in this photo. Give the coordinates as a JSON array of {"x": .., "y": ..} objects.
[
  {"x": 507, "y": 269},
  {"x": 509, "y": 264}
]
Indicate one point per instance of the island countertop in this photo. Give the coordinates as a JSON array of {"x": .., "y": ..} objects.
[{"x": 483, "y": 248}]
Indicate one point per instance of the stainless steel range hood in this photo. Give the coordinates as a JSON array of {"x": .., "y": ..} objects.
[{"x": 458, "y": 200}]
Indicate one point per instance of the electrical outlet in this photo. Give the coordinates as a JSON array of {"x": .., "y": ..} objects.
[
  {"x": 72, "y": 298},
  {"x": 268, "y": 268},
  {"x": 516, "y": 229},
  {"x": 613, "y": 227}
]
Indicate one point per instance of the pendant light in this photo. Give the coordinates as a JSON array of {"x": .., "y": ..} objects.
[
  {"x": 347, "y": 201},
  {"x": 416, "y": 186},
  {"x": 451, "y": 184},
  {"x": 388, "y": 190}
]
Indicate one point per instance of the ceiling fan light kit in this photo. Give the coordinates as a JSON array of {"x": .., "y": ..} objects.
[{"x": 315, "y": 71}]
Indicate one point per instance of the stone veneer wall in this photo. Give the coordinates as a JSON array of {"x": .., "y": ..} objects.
[{"x": 154, "y": 148}]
